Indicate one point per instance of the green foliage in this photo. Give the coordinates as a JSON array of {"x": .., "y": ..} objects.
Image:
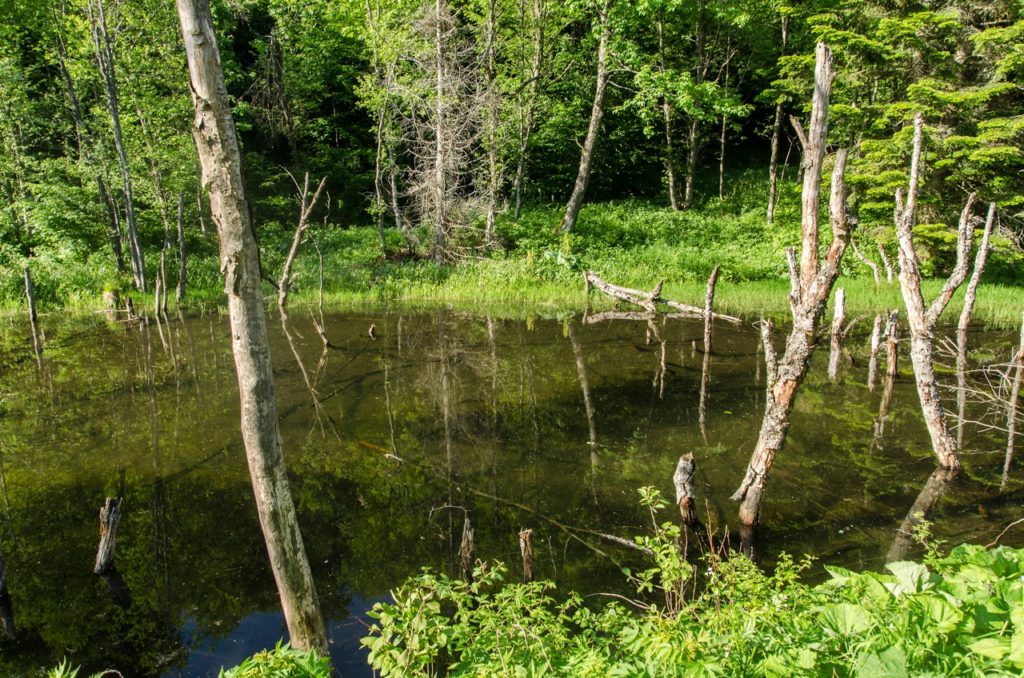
[
  {"x": 955, "y": 615},
  {"x": 283, "y": 661}
]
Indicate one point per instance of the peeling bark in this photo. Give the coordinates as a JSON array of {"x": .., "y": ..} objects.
[{"x": 220, "y": 157}]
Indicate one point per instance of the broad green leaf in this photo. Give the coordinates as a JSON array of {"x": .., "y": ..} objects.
[
  {"x": 845, "y": 619},
  {"x": 890, "y": 663},
  {"x": 910, "y": 577},
  {"x": 941, "y": 613},
  {"x": 993, "y": 648}
]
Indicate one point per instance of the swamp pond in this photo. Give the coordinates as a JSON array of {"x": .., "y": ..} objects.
[{"x": 549, "y": 424}]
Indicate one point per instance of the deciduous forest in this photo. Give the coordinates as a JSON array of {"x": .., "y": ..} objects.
[{"x": 381, "y": 334}]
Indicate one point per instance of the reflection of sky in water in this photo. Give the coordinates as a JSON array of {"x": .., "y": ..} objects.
[{"x": 262, "y": 630}]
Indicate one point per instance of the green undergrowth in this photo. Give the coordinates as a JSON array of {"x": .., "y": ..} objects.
[
  {"x": 960, "y": 614},
  {"x": 539, "y": 270}
]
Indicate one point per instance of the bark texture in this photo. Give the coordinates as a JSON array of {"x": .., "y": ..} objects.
[
  {"x": 220, "y": 158},
  {"x": 110, "y": 516},
  {"x": 811, "y": 285}
]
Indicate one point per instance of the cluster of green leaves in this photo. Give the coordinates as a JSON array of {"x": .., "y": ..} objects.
[{"x": 955, "y": 615}]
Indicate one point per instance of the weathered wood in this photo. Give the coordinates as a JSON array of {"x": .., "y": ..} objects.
[
  {"x": 922, "y": 319},
  {"x": 306, "y": 205},
  {"x": 773, "y": 163},
  {"x": 526, "y": 550},
  {"x": 220, "y": 158},
  {"x": 876, "y": 344},
  {"x": 579, "y": 190},
  {"x": 110, "y": 516},
  {"x": 1011, "y": 407},
  {"x": 816, "y": 279},
  {"x": 890, "y": 275},
  {"x": 649, "y": 300},
  {"x": 979, "y": 267},
  {"x": 467, "y": 551},
  {"x": 838, "y": 321},
  {"x": 892, "y": 353},
  {"x": 686, "y": 497}
]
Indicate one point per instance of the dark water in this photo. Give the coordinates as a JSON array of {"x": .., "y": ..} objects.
[{"x": 488, "y": 416}]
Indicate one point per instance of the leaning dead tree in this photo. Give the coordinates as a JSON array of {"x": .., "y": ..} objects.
[
  {"x": 221, "y": 161},
  {"x": 923, "y": 320},
  {"x": 811, "y": 284}
]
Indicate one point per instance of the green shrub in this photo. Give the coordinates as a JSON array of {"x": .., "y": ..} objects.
[{"x": 958, "y": 615}]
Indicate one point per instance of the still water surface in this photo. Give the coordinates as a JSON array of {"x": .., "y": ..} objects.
[{"x": 550, "y": 424}]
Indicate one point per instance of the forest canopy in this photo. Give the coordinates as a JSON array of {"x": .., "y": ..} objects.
[{"x": 433, "y": 120}]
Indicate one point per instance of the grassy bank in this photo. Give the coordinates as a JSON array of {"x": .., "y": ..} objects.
[{"x": 539, "y": 270}]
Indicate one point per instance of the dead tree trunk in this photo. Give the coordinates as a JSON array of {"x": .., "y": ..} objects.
[
  {"x": 867, "y": 262},
  {"x": 923, "y": 320},
  {"x": 581, "y": 374},
  {"x": 179, "y": 292},
  {"x": 105, "y": 60},
  {"x": 892, "y": 330},
  {"x": 579, "y": 190},
  {"x": 33, "y": 318},
  {"x": 110, "y": 516},
  {"x": 705, "y": 372},
  {"x": 1011, "y": 409},
  {"x": 649, "y": 300},
  {"x": 773, "y": 163},
  {"x": 528, "y": 111},
  {"x": 526, "y": 550},
  {"x": 306, "y": 205},
  {"x": 838, "y": 321},
  {"x": 686, "y": 497},
  {"x": 467, "y": 551},
  {"x": 221, "y": 161},
  {"x": 979, "y": 267},
  {"x": 492, "y": 126},
  {"x": 811, "y": 285},
  {"x": 876, "y": 344}
]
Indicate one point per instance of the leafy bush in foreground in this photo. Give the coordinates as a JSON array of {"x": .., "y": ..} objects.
[{"x": 958, "y": 615}]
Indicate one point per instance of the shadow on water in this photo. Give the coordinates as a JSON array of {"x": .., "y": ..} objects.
[{"x": 391, "y": 441}]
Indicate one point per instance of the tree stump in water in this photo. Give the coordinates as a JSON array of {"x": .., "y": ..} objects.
[
  {"x": 110, "y": 516},
  {"x": 526, "y": 549},
  {"x": 685, "y": 495}
]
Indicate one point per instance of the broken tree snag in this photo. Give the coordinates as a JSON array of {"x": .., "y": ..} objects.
[
  {"x": 812, "y": 286},
  {"x": 110, "y": 516},
  {"x": 526, "y": 549},
  {"x": 686, "y": 498},
  {"x": 979, "y": 266},
  {"x": 876, "y": 344},
  {"x": 890, "y": 275},
  {"x": 934, "y": 488},
  {"x": 922, "y": 319},
  {"x": 1011, "y": 408},
  {"x": 709, "y": 302},
  {"x": 467, "y": 551},
  {"x": 867, "y": 262},
  {"x": 221, "y": 161},
  {"x": 649, "y": 300},
  {"x": 838, "y": 320},
  {"x": 892, "y": 338}
]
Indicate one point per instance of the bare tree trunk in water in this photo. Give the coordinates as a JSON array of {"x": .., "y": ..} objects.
[
  {"x": 581, "y": 373},
  {"x": 923, "y": 320},
  {"x": 1011, "y": 410},
  {"x": 105, "y": 61},
  {"x": 838, "y": 320},
  {"x": 773, "y": 164},
  {"x": 572, "y": 209},
  {"x": 705, "y": 371},
  {"x": 876, "y": 344},
  {"x": 221, "y": 161},
  {"x": 811, "y": 285},
  {"x": 33, "y": 317}
]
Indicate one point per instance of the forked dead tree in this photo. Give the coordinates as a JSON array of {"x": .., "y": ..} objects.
[
  {"x": 221, "y": 160},
  {"x": 306, "y": 205},
  {"x": 811, "y": 284},
  {"x": 923, "y": 320}
]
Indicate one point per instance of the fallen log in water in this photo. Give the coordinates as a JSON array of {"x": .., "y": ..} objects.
[{"x": 649, "y": 300}]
